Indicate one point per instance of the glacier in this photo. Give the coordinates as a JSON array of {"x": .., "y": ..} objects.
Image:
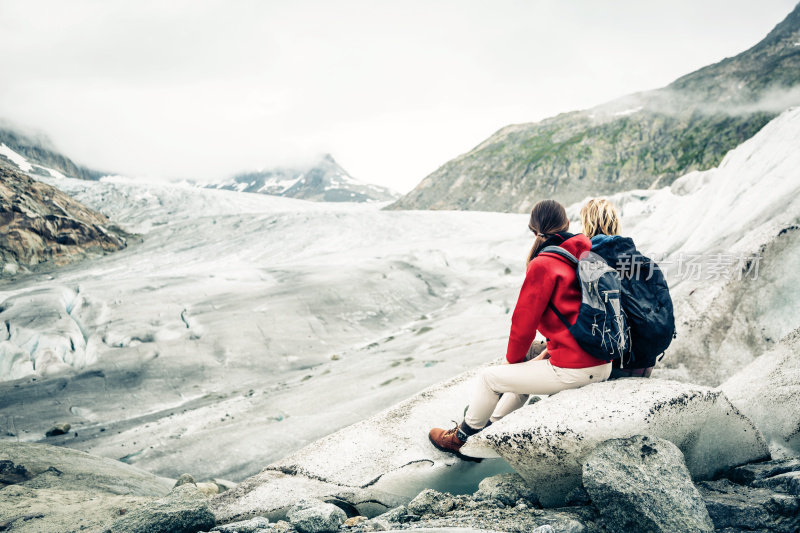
[{"x": 237, "y": 329}]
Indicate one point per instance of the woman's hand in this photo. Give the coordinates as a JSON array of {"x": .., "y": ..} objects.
[{"x": 542, "y": 356}]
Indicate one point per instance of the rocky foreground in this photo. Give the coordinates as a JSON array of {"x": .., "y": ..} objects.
[
  {"x": 657, "y": 456},
  {"x": 636, "y": 484},
  {"x": 39, "y": 223}
]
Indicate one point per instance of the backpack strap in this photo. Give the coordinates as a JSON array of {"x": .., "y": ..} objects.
[
  {"x": 558, "y": 250},
  {"x": 561, "y": 317}
]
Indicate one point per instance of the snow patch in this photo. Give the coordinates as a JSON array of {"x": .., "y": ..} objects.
[{"x": 16, "y": 158}]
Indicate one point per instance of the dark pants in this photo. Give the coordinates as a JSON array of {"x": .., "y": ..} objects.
[{"x": 631, "y": 372}]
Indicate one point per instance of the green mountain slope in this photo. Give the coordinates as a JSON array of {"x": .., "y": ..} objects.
[{"x": 639, "y": 141}]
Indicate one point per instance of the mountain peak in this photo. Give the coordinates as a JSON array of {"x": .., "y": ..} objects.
[{"x": 323, "y": 180}]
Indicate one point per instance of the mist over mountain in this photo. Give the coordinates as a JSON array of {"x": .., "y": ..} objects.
[
  {"x": 35, "y": 154},
  {"x": 640, "y": 141},
  {"x": 324, "y": 180}
]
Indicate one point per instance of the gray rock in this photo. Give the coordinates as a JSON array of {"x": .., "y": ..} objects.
[
  {"x": 788, "y": 483},
  {"x": 58, "y": 429},
  {"x": 507, "y": 488},
  {"x": 431, "y": 502},
  {"x": 315, "y": 516},
  {"x": 11, "y": 473},
  {"x": 185, "y": 478},
  {"x": 393, "y": 515},
  {"x": 547, "y": 442},
  {"x": 578, "y": 496},
  {"x": 182, "y": 511},
  {"x": 642, "y": 484},
  {"x": 739, "y": 507},
  {"x": 52, "y": 488},
  {"x": 245, "y": 526},
  {"x": 747, "y": 474}
]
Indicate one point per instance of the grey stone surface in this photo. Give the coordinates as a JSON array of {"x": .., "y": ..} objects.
[
  {"x": 185, "y": 478},
  {"x": 747, "y": 474},
  {"x": 244, "y": 526},
  {"x": 431, "y": 502},
  {"x": 547, "y": 442},
  {"x": 788, "y": 483},
  {"x": 58, "y": 429},
  {"x": 747, "y": 508},
  {"x": 316, "y": 516},
  {"x": 642, "y": 484},
  {"x": 53, "y": 489},
  {"x": 507, "y": 488},
  {"x": 578, "y": 496},
  {"x": 184, "y": 510}
]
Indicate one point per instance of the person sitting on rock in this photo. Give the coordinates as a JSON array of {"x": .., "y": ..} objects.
[
  {"x": 651, "y": 320},
  {"x": 550, "y": 281}
]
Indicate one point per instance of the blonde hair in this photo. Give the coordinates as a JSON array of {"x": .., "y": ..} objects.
[{"x": 599, "y": 216}]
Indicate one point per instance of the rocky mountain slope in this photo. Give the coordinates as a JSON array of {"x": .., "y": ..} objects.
[
  {"x": 640, "y": 141},
  {"x": 39, "y": 223},
  {"x": 36, "y": 155},
  {"x": 323, "y": 181}
]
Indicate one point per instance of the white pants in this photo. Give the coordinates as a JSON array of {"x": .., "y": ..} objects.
[{"x": 503, "y": 388}]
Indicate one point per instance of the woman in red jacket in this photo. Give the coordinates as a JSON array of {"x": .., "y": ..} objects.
[{"x": 563, "y": 364}]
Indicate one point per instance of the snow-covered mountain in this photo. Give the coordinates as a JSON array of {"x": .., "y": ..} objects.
[
  {"x": 245, "y": 326},
  {"x": 36, "y": 156},
  {"x": 323, "y": 181}
]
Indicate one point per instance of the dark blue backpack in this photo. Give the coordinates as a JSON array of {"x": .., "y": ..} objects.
[
  {"x": 601, "y": 328},
  {"x": 645, "y": 300}
]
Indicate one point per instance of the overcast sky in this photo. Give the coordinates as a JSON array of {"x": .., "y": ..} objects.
[{"x": 203, "y": 89}]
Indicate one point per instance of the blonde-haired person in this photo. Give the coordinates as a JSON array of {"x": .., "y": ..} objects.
[
  {"x": 645, "y": 290},
  {"x": 550, "y": 283},
  {"x": 599, "y": 217}
]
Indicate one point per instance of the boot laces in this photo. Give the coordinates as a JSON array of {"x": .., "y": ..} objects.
[{"x": 453, "y": 431}]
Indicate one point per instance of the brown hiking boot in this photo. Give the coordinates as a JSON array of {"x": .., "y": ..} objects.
[{"x": 449, "y": 440}]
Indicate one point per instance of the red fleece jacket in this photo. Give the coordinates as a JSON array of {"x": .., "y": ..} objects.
[{"x": 550, "y": 278}]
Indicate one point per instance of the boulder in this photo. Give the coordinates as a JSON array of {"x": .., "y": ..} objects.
[
  {"x": 244, "y": 526},
  {"x": 58, "y": 429},
  {"x": 748, "y": 508},
  {"x": 77, "y": 471},
  {"x": 506, "y": 488},
  {"x": 771, "y": 380},
  {"x": 184, "y": 479},
  {"x": 182, "y": 511},
  {"x": 642, "y": 484},
  {"x": 314, "y": 516},
  {"x": 747, "y": 474},
  {"x": 788, "y": 483},
  {"x": 431, "y": 502},
  {"x": 547, "y": 442},
  {"x": 50, "y": 488}
]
